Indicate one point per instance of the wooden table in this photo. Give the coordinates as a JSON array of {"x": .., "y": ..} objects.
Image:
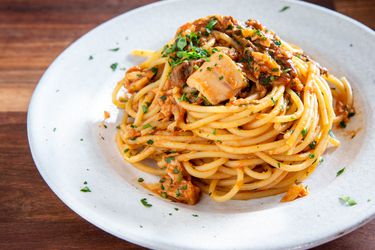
[{"x": 32, "y": 34}]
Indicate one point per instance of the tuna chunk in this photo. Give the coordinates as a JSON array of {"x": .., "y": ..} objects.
[{"x": 218, "y": 79}]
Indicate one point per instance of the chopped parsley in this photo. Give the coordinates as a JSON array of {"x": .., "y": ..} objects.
[
  {"x": 342, "y": 124},
  {"x": 311, "y": 156},
  {"x": 304, "y": 132},
  {"x": 284, "y": 8},
  {"x": 209, "y": 68},
  {"x": 275, "y": 69},
  {"x": 150, "y": 142},
  {"x": 312, "y": 145},
  {"x": 114, "y": 49},
  {"x": 85, "y": 189},
  {"x": 133, "y": 126},
  {"x": 154, "y": 70},
  {"x": 351, "y": 114},
  {"x": 214, "y": 132},
  {"x": 220, "y": 56},
  {"x": 144, "y": 108},
  {"x": 210, "y": 25},
  {"x": 169, "y": 159},
  {"x": 91, "y": 57},
  {"x": 126, "y": 150},
  {"x": 178, "y": 194},
  {"x": 278, "y": 43},
  {"x": 114, "y": 66},
  {"x": 274, "y": 102},
  {"x": 340, "y": 172},
  {"x": 195, "y": 215},
  {"x": 176, "y": 209},
  {"x": 181, "y": 43},
  {"x": 348, "y": 201},
  {"x": 140, "y": 179},
  {"x": 147, "y": 125},
  {"x": 163, "y": 194},
  {"x": 145, "y": 203},
  {"x": 183, "y": 98},
  {"x": 54, "y": 129},
  {"x": 176, "y": 171},
  {"x": 163, "y": 98},
  {"x": 85, "y": 182},
  {"x": 221, "y": 77},
  {"x": 81, "y": 139}
]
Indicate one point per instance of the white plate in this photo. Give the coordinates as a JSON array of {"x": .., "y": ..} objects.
[{"x": 74, "y": 92}]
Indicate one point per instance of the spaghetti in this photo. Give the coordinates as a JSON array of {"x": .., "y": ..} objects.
[{"x": 230, "y": 110}]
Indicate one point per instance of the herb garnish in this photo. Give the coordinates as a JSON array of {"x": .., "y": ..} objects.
[
  {"x": 221, "y": 77},
  {"x": 144, "y": 108},
  {"x": 181, "y": 43},
  {"x": 210, "y": 25},
  {"x": 274, "y": 102},
  {"x": 342, "y": 124},
  {"x": 114, "y": 66},
  {"x": 91, "y": 57},
  {"x": 284, "y": 8},
  {"x": 163, "y": 98},
  {"x": 351, "y": 114},
  {"x": 85, "y": 189},
  {"x": 114, "y": 49},
  {"x": 154, "y": 70},
  {"x": 145, "y": 203},
  {"x": 312, "y": 145},
  {"x": 140, "y": 179},
  {"x": 183, "y": 98},
  {"x": 340, "y": 172},
  {"x": 176, "y": 171},
  {"x": 150, "y": 142},
  {"x": 304, "y": 132},
  {"x": 169, "y": 159},
  {"x": 147, "y": 125},
  {"x": 348, "y": 201},
  {"x": 311, "y": 156}
]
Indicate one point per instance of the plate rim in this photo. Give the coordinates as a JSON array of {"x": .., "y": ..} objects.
[{"x": 137, "y": 239}]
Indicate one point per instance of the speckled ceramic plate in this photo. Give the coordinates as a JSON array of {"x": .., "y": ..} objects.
[{"x": 69, "y": 147}]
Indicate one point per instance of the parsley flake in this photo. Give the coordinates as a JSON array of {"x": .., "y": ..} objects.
[
  {"x": 145, "y": 203},
  {"x": 114, "y": 66},
  {"x": 210, "y": 25},
  {"x": 85, "y": 189},
  {"x": 284, "y": 8},
  {"x": 340, "y": 172},
  {"x": 348, "y": 201},
  {"x": 114, "y": 49},
  {"x": 312, "y": 145},
  {"x": 144, "y": 108},
  {"x": 169, "y": 159}
]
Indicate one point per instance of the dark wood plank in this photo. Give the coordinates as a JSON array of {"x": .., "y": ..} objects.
[{"x": 32, "y": 34}]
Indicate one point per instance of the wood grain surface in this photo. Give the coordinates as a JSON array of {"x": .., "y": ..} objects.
[{"x": 32, "y": 34}]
